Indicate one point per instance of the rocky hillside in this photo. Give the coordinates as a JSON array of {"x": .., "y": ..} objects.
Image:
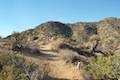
[
  {"x": 92, "y": 37},
  {"x": 102, "y": 36},
  {"x": 59, "y": 50}
]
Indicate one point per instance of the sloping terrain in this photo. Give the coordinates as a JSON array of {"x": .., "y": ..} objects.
[
  {"x": 58, "y": 69},
  {"x": 61, "y": 47},
  {"x": 98, "y": 37}
]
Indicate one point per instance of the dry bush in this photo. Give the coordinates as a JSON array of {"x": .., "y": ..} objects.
[
  {"x": 68, "y": 55},
  {"x": 36, "y": 72},
  {"x": 56, "y": 43},
  {"x": 14, "y": 67}
]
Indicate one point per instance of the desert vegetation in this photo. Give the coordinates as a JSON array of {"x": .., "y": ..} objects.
[
  {"x": 15, "y": 67},
  {"x": 104, "y": 67},
  {"x": 56, "y": 51}
]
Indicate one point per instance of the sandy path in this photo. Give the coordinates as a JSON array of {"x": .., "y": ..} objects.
[{"x": 59, "y": 69}]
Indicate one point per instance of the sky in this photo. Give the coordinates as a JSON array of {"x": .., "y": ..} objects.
[{"x": 20, "y": 15}]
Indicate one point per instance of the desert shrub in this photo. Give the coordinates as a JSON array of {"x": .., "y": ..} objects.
[
  {"x": 69, "y": 56},
  {"x": 72, "y": 57},
  {"x": 104, "y": 67},
  {"x": 9, "y": 67},
  {"x": 109, "y": 38},
  {"x": 54, "y": 44},
  {"x": 15, "y": 67},
  {"x": 90, "y": 30}
]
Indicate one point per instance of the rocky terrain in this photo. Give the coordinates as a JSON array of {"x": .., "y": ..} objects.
[
  {"x": 67, "y": 48},
  {"x": 102, "y": 36}
]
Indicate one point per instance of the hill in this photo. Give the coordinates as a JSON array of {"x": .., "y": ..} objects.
[
  {"x": 89, "y": 49},
  {"x": 102, "y": 36}
]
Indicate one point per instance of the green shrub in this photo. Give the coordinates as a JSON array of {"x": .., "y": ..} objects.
[
  {"x": 104, "y": 67},
  {"x": 11, "y": 67},
  {"x": 14, "y": 67}
]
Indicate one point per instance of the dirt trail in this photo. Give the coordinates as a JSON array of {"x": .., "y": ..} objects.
[
  {"x": 59, "y": 69},
  {"x": 62, "y": 70}
]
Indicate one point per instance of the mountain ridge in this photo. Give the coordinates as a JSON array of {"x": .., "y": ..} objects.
[{"x": 76, "y": 35}]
